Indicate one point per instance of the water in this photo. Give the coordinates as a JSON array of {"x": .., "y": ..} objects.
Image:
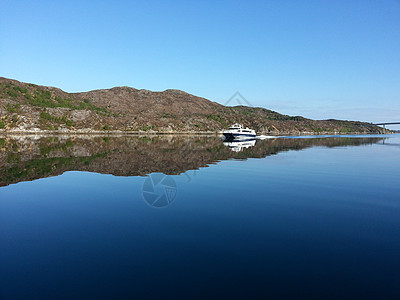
[{"x": 283, "y": 218}]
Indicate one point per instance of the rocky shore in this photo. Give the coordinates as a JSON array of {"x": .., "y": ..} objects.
[{"x": 91, "y": 132}]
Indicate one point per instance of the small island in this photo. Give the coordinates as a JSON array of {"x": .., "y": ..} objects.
[{"x": 28, "y": 108}]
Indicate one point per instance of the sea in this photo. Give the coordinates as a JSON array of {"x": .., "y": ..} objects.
[{"x": 194, "y": 217}]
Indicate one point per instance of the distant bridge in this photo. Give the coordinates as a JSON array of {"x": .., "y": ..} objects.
[
  {"x": 390, "y": 123},
  {"x": 384, "y": 125}
]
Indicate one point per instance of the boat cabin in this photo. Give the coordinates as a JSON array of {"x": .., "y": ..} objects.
[{"x": 239, "y": 128}]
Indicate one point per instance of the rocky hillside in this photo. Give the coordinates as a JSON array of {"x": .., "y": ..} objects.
[{"x": 29, "y": 107}]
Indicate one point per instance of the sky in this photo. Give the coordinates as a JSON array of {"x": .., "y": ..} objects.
[{"x": 319, "y": 59}]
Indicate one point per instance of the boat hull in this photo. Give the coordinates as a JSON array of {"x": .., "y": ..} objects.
[{"x": 238, "y": 136}]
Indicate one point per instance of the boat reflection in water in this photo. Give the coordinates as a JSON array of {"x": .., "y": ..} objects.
[{"x": 238, "y": 145}]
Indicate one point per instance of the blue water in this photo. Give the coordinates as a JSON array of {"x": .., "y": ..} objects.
[{"x": 318, "y": 222}]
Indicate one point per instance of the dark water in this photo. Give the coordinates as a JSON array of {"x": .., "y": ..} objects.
[{"x": 285, "y": 218}]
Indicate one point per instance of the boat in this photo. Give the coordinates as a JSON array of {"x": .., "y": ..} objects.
[
  {"x": 236, "y": 131},
  {"x": 237, "y": 146}
]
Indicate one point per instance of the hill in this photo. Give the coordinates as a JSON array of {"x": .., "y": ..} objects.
[{"x": 29, "y": 107}]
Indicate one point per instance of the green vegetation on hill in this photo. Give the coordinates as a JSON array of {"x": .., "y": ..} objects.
[
  {"x": 45, "y": 117},
  {"x": 219, "y": 118},
  {"x": 13, "y": 108},
  {"x": 46, "y": 99}
]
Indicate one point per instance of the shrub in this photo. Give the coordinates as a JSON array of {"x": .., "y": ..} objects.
[
  {"x": 167, "y": 115},
  {"x": 12, "y": 108},
  {"x": 12, "y": 93},
  {"x": 148, "y": 127},
  {"x": 20, "y": 89},
  {"x": 69, "y": 122},
  {"x": 218, "y": 118},
  {"x": 46, "y": 117}
]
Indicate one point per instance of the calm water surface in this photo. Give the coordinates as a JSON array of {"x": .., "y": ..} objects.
[{"x": 190, "y": 217}]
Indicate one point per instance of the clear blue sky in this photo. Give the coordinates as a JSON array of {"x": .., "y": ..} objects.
[{"x": 320, "y": 59}]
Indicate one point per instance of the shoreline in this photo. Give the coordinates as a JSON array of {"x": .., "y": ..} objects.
[{"x": 39, "y": 132}]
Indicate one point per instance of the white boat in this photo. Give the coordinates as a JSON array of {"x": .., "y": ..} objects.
[
  {"x": 236, "y": 131},
  {"x": 237, "y": 146}
]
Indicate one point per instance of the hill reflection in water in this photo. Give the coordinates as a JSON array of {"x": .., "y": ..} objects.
[{"x": 25, "y": 158}]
